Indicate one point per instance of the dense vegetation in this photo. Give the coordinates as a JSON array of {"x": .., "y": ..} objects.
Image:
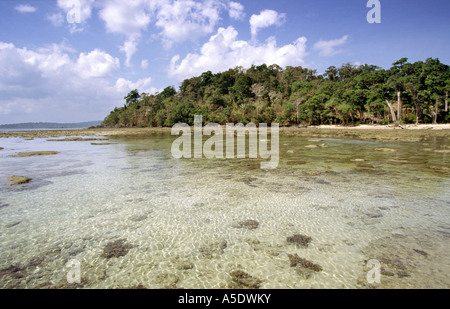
[{"x": 407, "y": 92}]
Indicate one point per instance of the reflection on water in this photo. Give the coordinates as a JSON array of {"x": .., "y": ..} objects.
[{"x": 132, "y": 215}]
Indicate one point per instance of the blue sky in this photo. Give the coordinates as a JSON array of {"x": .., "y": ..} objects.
[{"x": 75, "y": 60}]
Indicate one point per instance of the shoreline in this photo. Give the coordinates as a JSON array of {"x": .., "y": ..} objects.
[{"x": 382, "y": 132}]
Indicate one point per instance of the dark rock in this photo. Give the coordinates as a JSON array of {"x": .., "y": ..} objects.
[
  {"x": 137, "y": 287},
  {"x": 296, "y": 260},
  {"x": 13, "y": 271},
  {"x": 13, "y": 224},
  {"x": 101, "y": 144},
  {"x": 185, "y": 265},
  {"x": 35, "y": 153},
  {"x": 213, "y": 249},
  {"x": 77, "y": 139},
  {"x": 18, "y": 180},
  {"x": 249, "y": 224},
  {"x": 244, "y": 280},
  {"x": 421, "y": 252},
  {"x": 300, "y": 240},
  {"x": 116, "y": 248},
  {"x": 385, "y": 272}
]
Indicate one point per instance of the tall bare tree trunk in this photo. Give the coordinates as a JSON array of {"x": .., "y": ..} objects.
[
  {"x": 446, "y": 101},
  {"x": 399, "y": 103},
  {"x": 391, "y": 108},
  {"x": 436, "y": 111}
]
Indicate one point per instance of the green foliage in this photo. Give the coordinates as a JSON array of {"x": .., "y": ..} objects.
[{"x": 343, "y": 95}]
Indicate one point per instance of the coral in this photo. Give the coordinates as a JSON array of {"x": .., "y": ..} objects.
[
  {"x": 244, "y": 280},
  {"x": 248, "y": 224},
  {"x": 296, "y": 260},
  {"x": 300, "y": 240},
  {"x": 116, "y": 248}
]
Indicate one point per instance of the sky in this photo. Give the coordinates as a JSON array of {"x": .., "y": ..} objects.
[{"x": 75, "y": 60}]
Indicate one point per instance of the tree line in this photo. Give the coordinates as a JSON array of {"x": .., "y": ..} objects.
[{"x": 347, "y": 95}]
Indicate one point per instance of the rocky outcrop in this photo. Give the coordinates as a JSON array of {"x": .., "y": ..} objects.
[
  {"x": 18, "y": 180},
  {"x": 34, "y": 153}
]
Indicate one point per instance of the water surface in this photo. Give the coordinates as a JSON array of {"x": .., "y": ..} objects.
[{"x": 357, "y": 200}]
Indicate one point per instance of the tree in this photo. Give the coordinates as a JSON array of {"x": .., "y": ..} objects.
[
  {"x": 397, "y": 82},
  {"x": 266, "y": 93},
  {"x": 132, "y": 97}
]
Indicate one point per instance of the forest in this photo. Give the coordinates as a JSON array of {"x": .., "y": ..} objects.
[{"x": 347, "y": 95}]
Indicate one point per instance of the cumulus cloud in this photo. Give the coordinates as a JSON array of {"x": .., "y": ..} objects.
[
  {"x": 236, "y": 10},
  {"x": 25, "y": 8},
  {"x": 224, "y": 51},
  {"x": 175, "y": 20},
  {"x": 125, "y": 17},
  {"x": 265, "y": 19},
  {"x": 186, "y": 20},
  {"x": 56, "y": 81},
  {"x": 143, "y": 85},
  {"x": 96, "y": 64},
  {"x": 329, "y": 48}
]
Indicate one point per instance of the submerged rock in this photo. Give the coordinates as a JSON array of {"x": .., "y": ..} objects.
[
  {"x": 78, "y": 139},
  {"x": 116, "y": 248},
  {"x": 35, "y": 153},
  {"x": 100, "y": 144},
  {"x": 213, "y": 249},
  {"x": 243, "y": 280},
  {"x": 185, "y": 265},
  {"x": 298, "y": 261},
  {"x": 300, "y": 240},
  {"x": 18, "y": 180},
  {"x": 385, "y": 149},
  {"x": 13, "y": 224},
  {"x": 421, "y": 252},
  {"x": 13, "y": 271},
  {"x": 1, "y": 148},
  {"x": 167, "y": 280},
  {"x": 248, "y": 224},
  {"x": 311, "y": 146}
]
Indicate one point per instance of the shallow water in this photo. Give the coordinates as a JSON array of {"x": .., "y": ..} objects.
[{"x": 357, "y": 200}]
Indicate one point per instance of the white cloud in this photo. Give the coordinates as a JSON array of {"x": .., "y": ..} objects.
[
  {"x": 96, "y": 64},
  {"x": 224, "y": 51},
  {"x": 129, "y": 47},
  {"x": 265, "y": 19},
  {"x": 143, "y": 85},
  {"x": 175, "y": 20},
  {"x": 57, "y": 19},
  {"x": 328, "y": 48},
  {"x": 54, "y": 83},
  {"x": 236, "y": 10},
  {"x": 25, "y": 8},
  {"x": 185, "y": 20},
  {"x": 125, "y": 17},
  {"x": 128, "y": 18},
  {"x": 144, "y": 64}
]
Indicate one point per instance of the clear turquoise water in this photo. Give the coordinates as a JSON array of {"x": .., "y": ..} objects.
[{"x": 181, "y": 216}]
